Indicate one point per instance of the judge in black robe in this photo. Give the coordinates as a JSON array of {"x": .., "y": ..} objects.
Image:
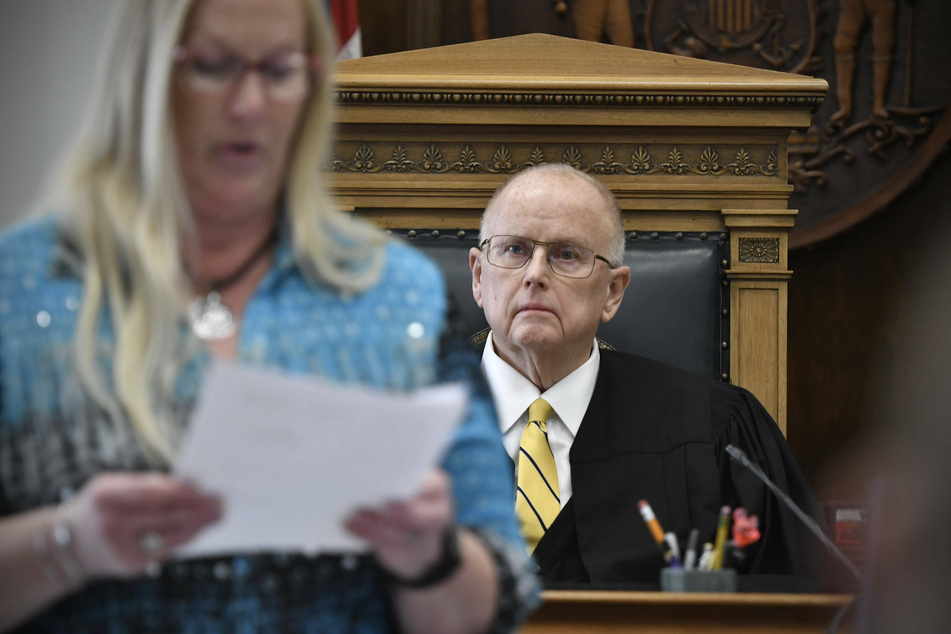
[
  {"x": 657, "y": 433},
  {"x": 548, "y": 271}
]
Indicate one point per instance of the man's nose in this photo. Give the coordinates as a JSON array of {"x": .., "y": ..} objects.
[{"x": 537, "y": 269}]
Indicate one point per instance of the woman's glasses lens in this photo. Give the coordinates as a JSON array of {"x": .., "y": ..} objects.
[{"x": 284, "y": 77}]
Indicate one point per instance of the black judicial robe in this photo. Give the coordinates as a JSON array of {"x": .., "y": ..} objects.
[{"x": 657, "y": 433}]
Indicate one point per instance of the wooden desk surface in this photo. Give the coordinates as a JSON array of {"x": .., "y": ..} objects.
[{"x": 597, "y": 612}]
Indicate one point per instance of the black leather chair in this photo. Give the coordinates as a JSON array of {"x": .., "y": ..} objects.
[{"x": 675, "y": 310}]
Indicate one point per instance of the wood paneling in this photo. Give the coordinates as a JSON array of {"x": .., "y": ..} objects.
[
  {"x": 384, "y": 25},
  {"x": 851, "y": 321}
]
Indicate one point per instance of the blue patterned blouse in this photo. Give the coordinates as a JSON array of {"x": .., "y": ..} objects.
[{"x": 397, "y": 335}]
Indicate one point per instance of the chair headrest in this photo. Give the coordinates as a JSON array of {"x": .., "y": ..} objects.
[{"x": 676, "y": 309}]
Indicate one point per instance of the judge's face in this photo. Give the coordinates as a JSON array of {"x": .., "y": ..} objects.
[
  {"x": 240, "y": 84},
  {"x": 532, "y": 310}
]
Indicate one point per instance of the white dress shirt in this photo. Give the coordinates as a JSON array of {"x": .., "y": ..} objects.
[{"x": 569, "y": 398}]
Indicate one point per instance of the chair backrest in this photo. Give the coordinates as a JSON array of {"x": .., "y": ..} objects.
[{"x": 676, "y": 309}]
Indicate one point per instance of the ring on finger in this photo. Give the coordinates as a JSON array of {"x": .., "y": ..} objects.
[{"x": 151, "y": 542}]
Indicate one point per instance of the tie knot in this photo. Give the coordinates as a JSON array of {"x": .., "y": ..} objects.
[{"x": 539, "y": 411}]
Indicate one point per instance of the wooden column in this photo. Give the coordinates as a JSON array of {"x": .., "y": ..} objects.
[{"x": 758, "y": 277}]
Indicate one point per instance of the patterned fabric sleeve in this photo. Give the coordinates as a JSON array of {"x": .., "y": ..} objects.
[
  {"x": 518, "y": 584},
  {"x": 483, "y": 486}
]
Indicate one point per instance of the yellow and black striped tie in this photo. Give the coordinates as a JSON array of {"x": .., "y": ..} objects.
[{"x": 537, "y": 500}]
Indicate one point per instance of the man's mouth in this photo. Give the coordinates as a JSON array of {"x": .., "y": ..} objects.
[{"x": 534, "y": 308}]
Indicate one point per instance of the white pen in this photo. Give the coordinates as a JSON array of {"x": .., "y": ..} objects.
[
  {"x": 706, "y": 558},
  {"x": 671, "y": 539},
  {"x": 690, "y": 555}
]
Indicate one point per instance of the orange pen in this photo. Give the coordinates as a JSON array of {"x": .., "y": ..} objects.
[{"x": 654, "y": 526}]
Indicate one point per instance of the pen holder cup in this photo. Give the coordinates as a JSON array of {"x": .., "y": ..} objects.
[{"x": 680, "y": 580}]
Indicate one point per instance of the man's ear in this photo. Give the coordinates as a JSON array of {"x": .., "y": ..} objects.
[
  {"x": 620, "y": 278},
  {"x": 475, "y": 265}
]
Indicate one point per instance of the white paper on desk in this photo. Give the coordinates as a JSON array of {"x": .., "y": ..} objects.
[{"x": 292, "y": 456}]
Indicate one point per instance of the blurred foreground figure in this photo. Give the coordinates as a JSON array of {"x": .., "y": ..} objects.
[
  {"x": 903, "y": 471},
  {"x": 192, "y": 223}
]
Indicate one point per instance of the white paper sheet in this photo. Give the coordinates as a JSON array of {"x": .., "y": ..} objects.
[{"x": 291, "y": 457}]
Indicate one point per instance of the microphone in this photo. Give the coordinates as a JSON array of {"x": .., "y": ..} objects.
[{"x": 739, "y": 456}]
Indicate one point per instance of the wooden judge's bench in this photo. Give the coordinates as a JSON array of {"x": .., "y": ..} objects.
[
  {"x": 692, "y": 149},
  {"x": 611, "y": 612}
]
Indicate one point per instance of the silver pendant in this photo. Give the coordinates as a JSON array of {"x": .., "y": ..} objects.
[{"x": 210, "y": 318}]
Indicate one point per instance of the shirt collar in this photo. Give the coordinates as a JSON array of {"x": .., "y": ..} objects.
[{"x": 512, "y": 392}]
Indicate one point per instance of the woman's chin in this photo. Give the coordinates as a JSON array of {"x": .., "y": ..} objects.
[{"x": 237, "y": 195}]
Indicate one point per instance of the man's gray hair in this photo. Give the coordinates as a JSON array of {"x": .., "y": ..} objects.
[{"x": 615, "y": 252}]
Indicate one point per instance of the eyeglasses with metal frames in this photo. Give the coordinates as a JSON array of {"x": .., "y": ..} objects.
[
  {"x": 566, "y": 260},
  {"x": 286, "y": 76}
]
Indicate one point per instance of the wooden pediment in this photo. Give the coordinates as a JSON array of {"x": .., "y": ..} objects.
[
  {"x": 525, "y": 60},
  {"x": 537, "y": 73},
  {"x": 441, "y": 128}
]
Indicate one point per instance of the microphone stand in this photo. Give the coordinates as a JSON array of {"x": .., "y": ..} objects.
[{"x": 740, "y": 457}]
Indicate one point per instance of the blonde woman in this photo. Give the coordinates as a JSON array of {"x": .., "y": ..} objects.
[{"x": 191, "y": 222}]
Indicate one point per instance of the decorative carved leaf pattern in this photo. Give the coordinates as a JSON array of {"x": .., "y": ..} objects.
[
  {"x": 335, "y": 163},
  {"x": 363, "y": 160},
  {"x": 573, "y": 157},
  {"x": 675, "y": 163},
  {"x": 743, "y": 166},
  {"x": 502, "y": 161},
  {"x": 432, "y": 159},
  {"x": 640, "y": 160},
  {"x": 709, "y": 161},
  {"x": 537, "y": 157},
  {"x": 467, "y": 161},
  {"x": 607, "y": 164},
  {"x": 399, "y": 162}
]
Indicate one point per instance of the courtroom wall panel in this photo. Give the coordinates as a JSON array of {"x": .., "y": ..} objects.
[
  {"x": 850, "y": 322},
  {"x": 383, "y": 26}
]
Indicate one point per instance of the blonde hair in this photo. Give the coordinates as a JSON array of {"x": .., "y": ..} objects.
[
  {"x": 125, "y": 209},
  {"x": 565, "y": 171}
]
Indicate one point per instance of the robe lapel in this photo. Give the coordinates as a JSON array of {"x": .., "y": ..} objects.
[{"x": 630, "y": 447}]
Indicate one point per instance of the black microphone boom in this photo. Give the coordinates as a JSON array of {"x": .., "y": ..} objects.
[{"x": 740, "y": 457}]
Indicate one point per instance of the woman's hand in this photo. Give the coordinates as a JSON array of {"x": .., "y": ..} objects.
[
  {"x": 122, "y": 522},
  {"x": 407, "y": 536}
]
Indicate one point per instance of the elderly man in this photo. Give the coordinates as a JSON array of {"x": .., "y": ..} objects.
[{"x": 592, "y": 431}]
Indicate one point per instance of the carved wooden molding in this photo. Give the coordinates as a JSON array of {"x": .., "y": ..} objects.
[
  {"x": 431, "y": 159},
  {"x": 560, "y": 100},
  {"x": 759, "y": 250}
]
